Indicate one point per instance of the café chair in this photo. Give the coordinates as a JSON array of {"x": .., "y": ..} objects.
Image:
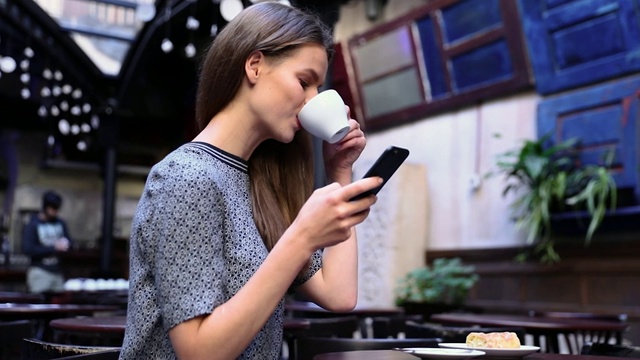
[
  {"x": 392, "y": 326},
  {"x": 452, "y": 334},
  {"x": 576, "y": 339},
  {"x": 331, "y": 327},
  {"x": 603, "y": 349},
  {"x": 308, "y": 347},
  {"x": 34, "y": 349},
  {"x": 11, "y": 335},
  {"x": 99, "y": 355}
]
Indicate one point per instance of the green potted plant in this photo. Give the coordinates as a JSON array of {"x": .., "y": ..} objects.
[
  {"x": 548, "y": 180},
  {"x": 441, "y": 287}
]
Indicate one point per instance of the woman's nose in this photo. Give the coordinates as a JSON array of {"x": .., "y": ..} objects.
[{"x": 311, "y": 94}]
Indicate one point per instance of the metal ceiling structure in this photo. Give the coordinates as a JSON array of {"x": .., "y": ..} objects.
[
  {"x": 102, "y": 120},
  {"x": 151, "y": 97}
]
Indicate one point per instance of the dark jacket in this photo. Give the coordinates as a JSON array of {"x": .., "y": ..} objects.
[{"x": 38, "y": 239}]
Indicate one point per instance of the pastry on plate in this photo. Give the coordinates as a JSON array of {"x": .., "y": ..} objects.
[{"x": 494, "y": 340}]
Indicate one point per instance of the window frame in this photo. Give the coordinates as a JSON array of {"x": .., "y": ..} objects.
[{"x": 509, "y": 30}]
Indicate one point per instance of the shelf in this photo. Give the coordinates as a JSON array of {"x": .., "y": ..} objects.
[{"x": 577, "y": 222}]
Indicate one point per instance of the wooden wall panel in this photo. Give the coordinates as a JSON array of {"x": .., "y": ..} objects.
[
  {"x": 603, "y": 278},
  {"x": 555, "y": 33}
]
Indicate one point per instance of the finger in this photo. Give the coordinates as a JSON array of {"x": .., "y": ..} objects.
[
  {"x": 329, "y": 188},
  {"x": 358, "y": 217},
  {"x": 360, "y": 186},
  {"x": 354, "y": 131}
]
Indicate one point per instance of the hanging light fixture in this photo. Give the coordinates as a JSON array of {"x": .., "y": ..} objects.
[
  {"x": 145, "y": 12},
  {"x": 191, "y": 25},
  {"x": 7, "y": 64},
  {"x": 167, "y": 45},
  {"x": 64, "y": 127},
  {"x": 190, "y": 50},
  {"x": 229, "y": 9}
]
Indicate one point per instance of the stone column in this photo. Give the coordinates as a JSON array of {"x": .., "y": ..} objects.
[{"x": 393, "y": 239}]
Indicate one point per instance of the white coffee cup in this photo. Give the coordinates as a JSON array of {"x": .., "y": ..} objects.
[{"x": 325, "y": 116}]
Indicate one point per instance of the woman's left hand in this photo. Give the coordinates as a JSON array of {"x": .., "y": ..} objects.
[{"x": 339, "y": 157}]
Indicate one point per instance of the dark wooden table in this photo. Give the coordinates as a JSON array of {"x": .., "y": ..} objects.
[
  {"x": 117, "y": 324},
  {"x": 537, "y": 326},
  {"x": 20, "y": 297},
  {"x": 398, "y": 355},
  {"x": 90, "y": 324},
  {"x": 23, "y": 311},
  {"x": 310, "y": 309},
  {"x": 302, "y": 309},
  {"x": 43, "y": 313},
  {"x": 89, "y": 330},
  {"x": 295, "y": 325},
  {"x": 101, "y": 297}
]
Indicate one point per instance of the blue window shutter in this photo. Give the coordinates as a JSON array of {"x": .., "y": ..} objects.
[
  {"x": 580, "y": 42},
  {"x": 604, "y": 117}
]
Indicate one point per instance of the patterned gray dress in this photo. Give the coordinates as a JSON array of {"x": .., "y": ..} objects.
[{"x": 194, "y": 244}]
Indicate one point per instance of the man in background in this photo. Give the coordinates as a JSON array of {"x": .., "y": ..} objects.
[{"x": 44, "y": 237}]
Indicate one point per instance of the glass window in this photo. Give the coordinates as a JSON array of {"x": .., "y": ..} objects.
[{"x": 103, "y": 29}]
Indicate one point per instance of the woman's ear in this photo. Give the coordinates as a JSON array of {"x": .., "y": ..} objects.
[{"x": 252, "y": 66}]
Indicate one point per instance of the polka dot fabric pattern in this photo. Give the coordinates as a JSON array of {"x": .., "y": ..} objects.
[{"x": 194, "y": 244}]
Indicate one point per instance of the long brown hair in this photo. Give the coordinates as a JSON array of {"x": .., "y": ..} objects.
[{"x": 281, "y": 174}]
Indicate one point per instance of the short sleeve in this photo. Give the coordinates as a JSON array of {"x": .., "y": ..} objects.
[
  {"x": 189, "y": 258},
  {"x": 315, "y": 264}
]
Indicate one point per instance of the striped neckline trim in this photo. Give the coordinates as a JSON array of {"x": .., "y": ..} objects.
[{"x": 221, "y": 155}]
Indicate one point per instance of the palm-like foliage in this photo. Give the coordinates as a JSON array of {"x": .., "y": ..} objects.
[{"x": 549, "y": 179}]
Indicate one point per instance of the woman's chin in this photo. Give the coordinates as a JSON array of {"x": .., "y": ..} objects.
[{"x": 284, "y": 138}]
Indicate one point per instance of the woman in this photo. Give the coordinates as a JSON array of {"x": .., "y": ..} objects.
[{"x": 229, "y": 222}]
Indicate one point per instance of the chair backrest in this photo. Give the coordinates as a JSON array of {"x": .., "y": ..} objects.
[
  {"x": 34, "y": 349},
  {"x": 21, "y": 297},
  {"x": 339, "y": 326},
  {"x": 308, "y": 347},
  {"x": 453, "y": 334},
  {"x": 11, "y": 335},
  {"x": 602, "y": 349},
  {"x": 391, "y": 326},
  {"x": 580, "y": 315},
  {"x": 98, "y": 355},
  {"x": 578, "y": 338}
]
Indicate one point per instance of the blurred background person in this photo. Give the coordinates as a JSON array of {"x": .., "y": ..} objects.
[{"x": 43, "y": 238}]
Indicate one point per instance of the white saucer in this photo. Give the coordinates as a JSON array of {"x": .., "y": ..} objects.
[
  {"x": 493, "y": 352},
  {"x": 435, "y": 353}
]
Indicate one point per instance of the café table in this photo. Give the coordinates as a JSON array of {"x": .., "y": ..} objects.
[
  {"x": 114, "y": 327},
  {"x": 537, "y": 326},
  {"x": 306, "y": 309},
  {"x": 20, "y": 297},
  {"x": 43, "y": 313},
  {"x": 310, "y": 309},
  {"x": 117, "y": 324},
  {"x": 89, "y": 330},
  {"x": 399, "y": 355}
]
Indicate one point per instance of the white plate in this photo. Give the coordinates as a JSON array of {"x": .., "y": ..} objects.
[
  {"x": 435, "y": 353},
  {"x": 492, "y": 352}
]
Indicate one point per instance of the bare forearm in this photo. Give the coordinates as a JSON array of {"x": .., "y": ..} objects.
[
  {"x": 341, "y": 176},
  {"x": 335, "y": 286},
  {"x": 337, "y": 289}
]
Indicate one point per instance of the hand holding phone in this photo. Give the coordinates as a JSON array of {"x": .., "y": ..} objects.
[{"x": 385, "y": 166}]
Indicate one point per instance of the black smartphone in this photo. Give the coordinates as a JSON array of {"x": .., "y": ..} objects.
[{"x": 385, "y": 166}]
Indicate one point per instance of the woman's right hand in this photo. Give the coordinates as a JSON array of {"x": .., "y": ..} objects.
[{"x": 327, "y": 217}]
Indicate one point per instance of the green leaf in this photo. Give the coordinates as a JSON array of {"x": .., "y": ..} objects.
[{"x": 546, "y": 179}]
